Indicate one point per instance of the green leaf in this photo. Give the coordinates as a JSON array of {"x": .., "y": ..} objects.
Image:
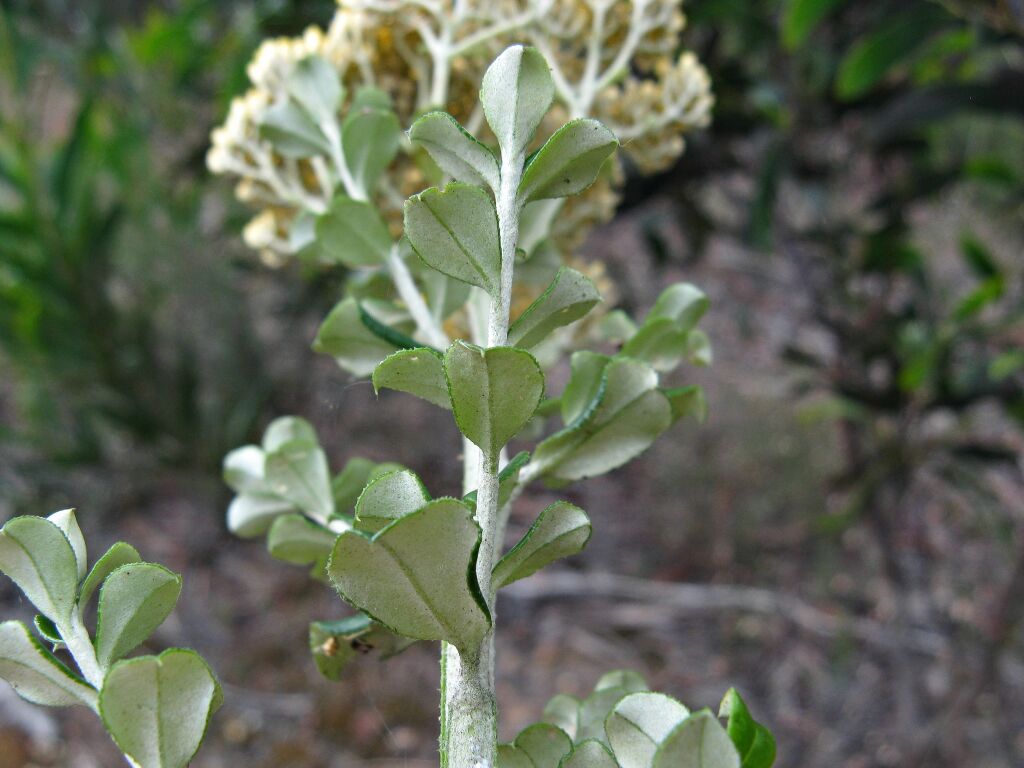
[
  {"x": 516, "y": 92},
  {"x": 37, "y": 556},
  {"x": 455, "y": 231},
  {"x": 417, "y": 576},
  {"x": 626, "y": 416},
  {"x": 683, "y": 303},
  {"x": 698, "y": 742},
  {"x": 510, "y": 757},
  {"x": 639, "y": 723},
  {"x": 494, "y": 392},
  {"x": 47, "y": 630},
  {"x": 698, "y": 348},
  {"x": 288, "y": 429},
  {"x": 688, "y": 401},
  {"x": 134, "y": 600},
  {"x": 250, "y": 516},
  {"x": 315, "y": 86},
  {"x": 569, "y": 297},
  {"x": 455, "y": 150},
  {"x": 370, "y": 138},
  {"x": 36, "y": 674},
  {"x": 590, "y": 754},
  {"x": 419, "y": 372},
  {"x": 660, "y": 341},
  {"x": 388, "y": 498},
  {"x": 542, "y": 744},
  {"x": 569, "y": 161},
  {"x": 353, "y": 346},
  {"x": 68, "y": 524},
  {"x": 563, "y": 711},
  {"x": 119, "y": 554},
  {"x": 157, "y": 708},
  {"x": 244, "y": 470},
  {"x": 335, "y": 643},
  {"x": 561, "y": 530},
  {"x": 800, "y": 17},
  {"x": 384, "y": 331},
  {"x": 297, "y": 539},
  {"x": 292, "y": 132},
  {"x": 349, "y": 483},
  {"x": 353, "y": 233},
  {"x": 586, "y": 385},
  {"x": 298, "y": 472},
  {"x": 617, "y": 326},
  {"x": 610, "y": 689},
  {"x": 978, "y": 257},
  {"x": 875, "y": 55},
  {"x": 753, "y": 741}
]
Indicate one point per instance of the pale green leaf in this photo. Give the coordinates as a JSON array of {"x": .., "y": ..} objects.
[
  {"x": 610, "y": 689},
  {"x": 617, "y": 326},
  {"x": 388, "y": 498},
  {"x": 590, "y": 754},
  {"x": 297, "y": 539},
  {"x": 569, "y": 161},
  {"x": 134, "y": 600},
  {"x": 563, "y": 711},
  {"x": 626, "y": 416},
  {"x": 353, "y": 346},
  {"x": 244, "y": 468},
  {"x": 494, "y": 392},
  {"x": 699, "y": 741},
  {"x": 510, "y": 757},
  {"x": 516, "y": 92},
  {"x": 288, "y": 429},
  {"x": 455, "y": 231},
  {"x": 250, "y": 516},
  {"x": 418, "y": 575},
  {"x": 660, "y": 341},
  {"x": 561, "y": 530},
  {"x": 353, "y": 233},
  {"x": 544, "y": 744},
  {"x": 683, "y": 303},
  {"x": 119, "y": 554},
  {"x": 639, "y": 723},
  {"x": 292, "y": 132},
  {"x": 67, "y": 522},
  {"x": 348, "y": 484},
  {"x": 298, "y": 473},
  {"x": 36, "y": 674},
  {"x": 370, "y": 139},
  {"x": 157, "y": 708},
  {"x": 315, "y": 86},
  {"x": 586, "y": 386},
  {"x": 698, "y": 348},
  {"x": 419, "y": 372},
  {"x": 37, "y": 556},
  {"x": 536, "y": 223},
  {"x": 688, "y": 401},
  {"x": 568, "y": 298},
  {"x": 454, "y": 150}
]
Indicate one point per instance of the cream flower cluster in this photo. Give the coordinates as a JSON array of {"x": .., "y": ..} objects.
[{"x": 615, "y": 60}]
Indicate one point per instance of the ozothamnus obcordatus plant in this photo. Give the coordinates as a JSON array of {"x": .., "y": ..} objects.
[
  {"x": 156, "y": 708},
  {"x": 421, "y": 568},
  {"x": 430, "y": 314}
]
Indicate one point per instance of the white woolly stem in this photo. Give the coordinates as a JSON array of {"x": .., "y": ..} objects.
[{"x": 469, "y": 709}]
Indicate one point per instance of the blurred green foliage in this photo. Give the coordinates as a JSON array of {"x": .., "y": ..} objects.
[{"x": 112, "y": 280}]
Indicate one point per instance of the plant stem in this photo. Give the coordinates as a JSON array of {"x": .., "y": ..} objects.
[{"x": 469, "y": 708}]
